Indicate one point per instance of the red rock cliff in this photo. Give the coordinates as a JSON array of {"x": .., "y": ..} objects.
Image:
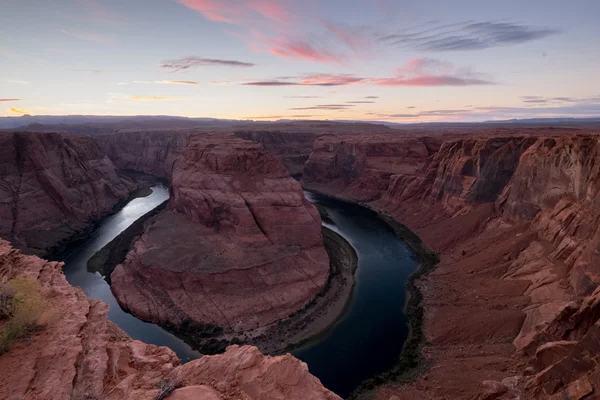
[
  {"x": 511, "y": 310},
  {"x": 80, "y": 354},
  {"x": 54, "y": 186},
  {"x": 239, "y": 246},
  {"x": 292, "y": 148},
  {"x": 151, "y": 152}
]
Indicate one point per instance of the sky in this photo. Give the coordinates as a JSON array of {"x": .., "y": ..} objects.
[{"x": 385, "y": 60}]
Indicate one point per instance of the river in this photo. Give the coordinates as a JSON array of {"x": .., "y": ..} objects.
[
  {"x": 368, "y": 339},
  {"x": 95, "y": 287},
  {"x": 363, "y": 343}
]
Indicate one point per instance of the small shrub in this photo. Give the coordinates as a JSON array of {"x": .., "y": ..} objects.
[
  {"x": 166, "y": 387},
  {"x": 25, "y": 311},
  {"x": 7, "y": 296}
]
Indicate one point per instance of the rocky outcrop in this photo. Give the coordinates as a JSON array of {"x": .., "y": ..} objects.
[
  {"x": 513, "y": 301},
  {"x": 151, "y": 152},
  {"x": 292, "y": 148},
  {"x": 238, "y": 247},
  {"x": 79, "y": 354},
  {"x": 53, "y": 187}
]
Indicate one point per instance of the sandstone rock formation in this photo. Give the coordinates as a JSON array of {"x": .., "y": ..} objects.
[
  {"x": 238, "y": 247},
  {"x": 53, "y": 187},
  {"x": 79, "y": 354},
  {"x": 515, "y": 218},
  {"x": 150, "y": 152},
  {"x": 292, "y": 148}
]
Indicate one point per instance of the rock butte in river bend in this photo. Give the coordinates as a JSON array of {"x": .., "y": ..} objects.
[
  {"x": 239, "y": 246},
  {"x": 512, "y": 310},
  {"x": 80, "y": 354},
  {"x": 54, "y": 187}
]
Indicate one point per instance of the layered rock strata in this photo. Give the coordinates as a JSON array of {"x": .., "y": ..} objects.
[
  {"x": 152, "y": 152},
  {"x": 511, "y": 309},
  {"x": 291, "y": 148},
  {"x": 79, "y": 354},
  {"x": 53, "y": 187},
  {"x": 239, "y": 246}
]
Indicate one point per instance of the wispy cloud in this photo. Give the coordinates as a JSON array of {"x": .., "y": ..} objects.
[
  {"x": 360, "y": 102},
  {"x": 295, "y": 48},
  {"x": 100, "y": 13},
  {"x": 17, "y": 81},
  {"x": 97, "y": 38},
  {"x": 549, "y": 100},
  {"x": 417, "y": 72},
  {"x": 431, "y": 72},
  {"x": 153, "y": 98},
  {"x": 7, "y": 100},
  {"x": 302, "y": 97},
  {"x": 371, "y": 97},
  {"x": 240, "y": 11},
  {"x": 19, "y": 111},
  {"x": 185, "y": 63},
  {"x": 469, "y": 35},
  {"x": 311, "y": 80},
  {"x": 161, "y": 82},
  {"x": 327, "y": 107}
]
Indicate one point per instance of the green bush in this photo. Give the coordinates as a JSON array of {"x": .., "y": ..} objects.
[{"x": 25, "y": 305}]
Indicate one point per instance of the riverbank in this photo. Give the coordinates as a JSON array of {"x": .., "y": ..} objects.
[
  {"x": 106, "y": 260},
  {"x": 314, "y": 320},
  {"x": 411, "y": 364},
  {"x": 60, "y": 251},
  {"x": 299, "y": 328},
  {"x": 306, "y": 324}
]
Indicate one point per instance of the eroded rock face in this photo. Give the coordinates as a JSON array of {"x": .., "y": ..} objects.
[
  {"x": 360, "y": 167},
  {"x": 291, "y": 148},
  {"x": 53, "y": 187},
  {"x": 239, "y": 246},
  {"x": 79, "y": 354},
  {"x": 515, "y": 219},
  {"x": 152, "y": 152}
]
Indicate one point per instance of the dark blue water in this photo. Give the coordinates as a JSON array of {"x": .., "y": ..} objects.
[
  {"x": 96, "y": 287},
  {"x": 369, "y": 338},
  {"x": 364, "y": 343}
]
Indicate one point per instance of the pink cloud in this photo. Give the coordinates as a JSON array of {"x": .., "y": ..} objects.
[
  {"x": 239, "y": 11},
  {"x": 311, "y": 80},
  {"x": 100, "y": 13},
  {"x": 351, "y": 37},
  {"x": 294, "y": 49},
  {"x": 271, "y": 10},
  {"x": 431, "y": 72},
  {"x": 330, "y": 79}
]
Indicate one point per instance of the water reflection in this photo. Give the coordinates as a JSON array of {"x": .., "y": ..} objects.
[
  {"x": 96, "y": 287},
  {"x": 369, "y": 338}
]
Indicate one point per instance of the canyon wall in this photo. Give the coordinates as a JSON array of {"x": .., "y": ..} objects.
[
  {"x": 511, "y": 310},
  {"x": 292, "y": 148},
  {"x": 77, "y": 353},
  {"x": 239, "y": 246},
  {"x": 150, "y": 152},
  {"x": 54, "y": 187}
]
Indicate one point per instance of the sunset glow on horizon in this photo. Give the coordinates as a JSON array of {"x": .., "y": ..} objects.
[{"x": 372, "y": 60}]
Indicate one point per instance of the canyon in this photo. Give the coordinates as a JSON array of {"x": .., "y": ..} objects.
[
  {"x": 53, "y": 188},
  {"x": 79, "y": 354},
  {"x": 238, "y": 246},
  {"x": 511, "y": 310}
]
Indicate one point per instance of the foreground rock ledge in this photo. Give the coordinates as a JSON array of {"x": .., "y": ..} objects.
[{"x": 80, "y": 354}]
